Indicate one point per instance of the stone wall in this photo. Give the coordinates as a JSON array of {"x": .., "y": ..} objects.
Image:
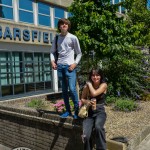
[
  {"x": 61, "y": 3},
  {"x": 38, "y": 132},
  {"x": 40, "y": 129}
]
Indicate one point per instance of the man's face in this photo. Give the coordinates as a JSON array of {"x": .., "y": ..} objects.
[{"x": 63, "y": 27}]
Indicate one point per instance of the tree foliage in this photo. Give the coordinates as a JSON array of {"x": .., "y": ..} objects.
[
  {"x": 112, "y": 37},
  {"x": 139, "y": 14}
]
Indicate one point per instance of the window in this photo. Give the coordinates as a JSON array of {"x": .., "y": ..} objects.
[
  {"x": 5, "y": 69},
  {"x": 17, "y": 68},
  {"x": 44, "y": 14},
  {"x": 148, "y": 4},
  {"x": 59, "y": 13},
  {"x": 47, "y": 75},
  {"x": 26, "y": 11},
  {"x": 6, "y": 9},
  {"x": 122, "y": 10},
  {"x": 116, "y": 1},
  {"x": 38, "y": 67},
  {"x": 70, "y": 14},
  {"x": 22, "y": 72},
  {"x": 29, "y": 68}
]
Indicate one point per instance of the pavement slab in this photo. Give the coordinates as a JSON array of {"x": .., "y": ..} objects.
[{"x": 145, "y": 144}]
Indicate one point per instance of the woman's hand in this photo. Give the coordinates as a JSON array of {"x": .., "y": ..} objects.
[
  {"x": 93, "y": 103},
  {"x": 95, "y": 92},
  {"x": 89, "y": 103},
  {"x": 86, "y": 102},
  {"x": 88, "y": 83}
]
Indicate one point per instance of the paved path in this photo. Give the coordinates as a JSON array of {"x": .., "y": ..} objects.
[{"x": 145, "y": 144}]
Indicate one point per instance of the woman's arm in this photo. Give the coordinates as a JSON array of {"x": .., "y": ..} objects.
[
  {"x": 84, "y": 95},
  {"x": 95, "y": 92}
]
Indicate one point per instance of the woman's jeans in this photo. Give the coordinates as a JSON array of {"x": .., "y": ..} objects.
[
  {"x": 97, "y": 123},
  {"x": 68, "y": 79}
]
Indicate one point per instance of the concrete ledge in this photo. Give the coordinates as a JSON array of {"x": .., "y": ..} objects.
[
  {"x": 55, "y": 120},
  {"x": 139, "y": 138},
  {"x": 61, "y": 3},
  {"x": 113, "y": 145},
  {"x": 51, "y": 118},
  {"x": 45, "y": 118}
]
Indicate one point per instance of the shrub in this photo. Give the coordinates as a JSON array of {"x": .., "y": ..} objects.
[
  {"x": 110, "y": 99},
  {"x": 125, "y": 105},
  {"x": 146, "y": 97},
  {"x": 36, "y": 103}
]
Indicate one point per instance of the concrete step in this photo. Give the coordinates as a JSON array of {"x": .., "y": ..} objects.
[{"x": 145, "y": 144}]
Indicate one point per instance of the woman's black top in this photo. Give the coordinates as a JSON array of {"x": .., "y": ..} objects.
[{"x": 100, "y": 101}]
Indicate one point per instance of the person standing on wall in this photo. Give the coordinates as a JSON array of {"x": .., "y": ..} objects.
[{"x": 67, "y": 46}]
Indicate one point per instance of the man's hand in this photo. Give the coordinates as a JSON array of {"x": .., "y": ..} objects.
[
  {"x": 72, "y": 66},
  {"x": 54, "y": 66}
]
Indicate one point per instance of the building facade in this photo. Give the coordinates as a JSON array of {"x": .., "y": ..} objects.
[{"x": 27, "y": 29}]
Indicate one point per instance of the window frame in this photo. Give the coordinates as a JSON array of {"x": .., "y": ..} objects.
[
  {"x": 42, "y": 14},
  {"x": 8, "y": 6},
  {"x": 28, "y": 11},
  {"x": 56, "y": 17}
]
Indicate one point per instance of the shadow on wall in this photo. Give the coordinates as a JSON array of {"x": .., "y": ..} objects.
[{"x": 37, "y": 134}]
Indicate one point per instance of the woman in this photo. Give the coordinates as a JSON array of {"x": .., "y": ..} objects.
[{"x": 96, "y": 88}]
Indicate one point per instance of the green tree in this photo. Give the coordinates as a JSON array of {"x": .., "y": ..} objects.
[
  {"x": 112, "y": 37},
  {"x": 139, "y": 14}
]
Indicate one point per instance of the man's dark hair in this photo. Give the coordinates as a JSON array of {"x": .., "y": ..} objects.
[{"x": 62, "y": 21}]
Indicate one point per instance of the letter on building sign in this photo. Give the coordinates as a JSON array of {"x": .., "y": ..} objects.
[
  {"x": 34, "y": 35},
  {"x": 17, "y": 33},
  {"x": 1, "y": 33},
  {"x": 26, "y": 35},
  {"x": 7, "y": 33},
  {"x": 39, "y": 37},
  {"x": 45, "y": 37},
  {"x": 51, "y": 37}
]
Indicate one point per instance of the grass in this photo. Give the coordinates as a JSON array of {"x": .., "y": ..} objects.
[{"x": 37, "y": 104}]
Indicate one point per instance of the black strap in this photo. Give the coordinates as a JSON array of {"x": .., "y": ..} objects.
[
  {"x": 56, "y": 53},
  {"x": 120, "y": 139}
]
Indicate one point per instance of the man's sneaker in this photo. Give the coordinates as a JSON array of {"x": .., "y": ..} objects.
[
  {"x": 75, "y": 116},
  {"x": 66, "y": 114}
]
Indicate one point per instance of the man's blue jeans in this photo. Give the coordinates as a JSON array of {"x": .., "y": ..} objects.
[{"x": 68, "y": 80}]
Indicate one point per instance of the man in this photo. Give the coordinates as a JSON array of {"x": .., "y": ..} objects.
[{"x": 67, "y": 46}]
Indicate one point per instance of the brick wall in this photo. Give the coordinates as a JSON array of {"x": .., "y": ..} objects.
[
  {"x": 36, "y": 133},
  {"x": 41, "y": 130}
]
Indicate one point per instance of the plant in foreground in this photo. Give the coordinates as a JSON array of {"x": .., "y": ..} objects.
[
  {"x": 60, "y": 106},
  {"x": 125, "y": 105},
  {"x": 110, "y": 100},
  {"x": 36, "y": 103}
]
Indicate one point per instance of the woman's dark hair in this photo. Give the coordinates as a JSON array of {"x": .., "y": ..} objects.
[
  {"x": 99, "y": 72},
  {"x": 62, "y": 21}
]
